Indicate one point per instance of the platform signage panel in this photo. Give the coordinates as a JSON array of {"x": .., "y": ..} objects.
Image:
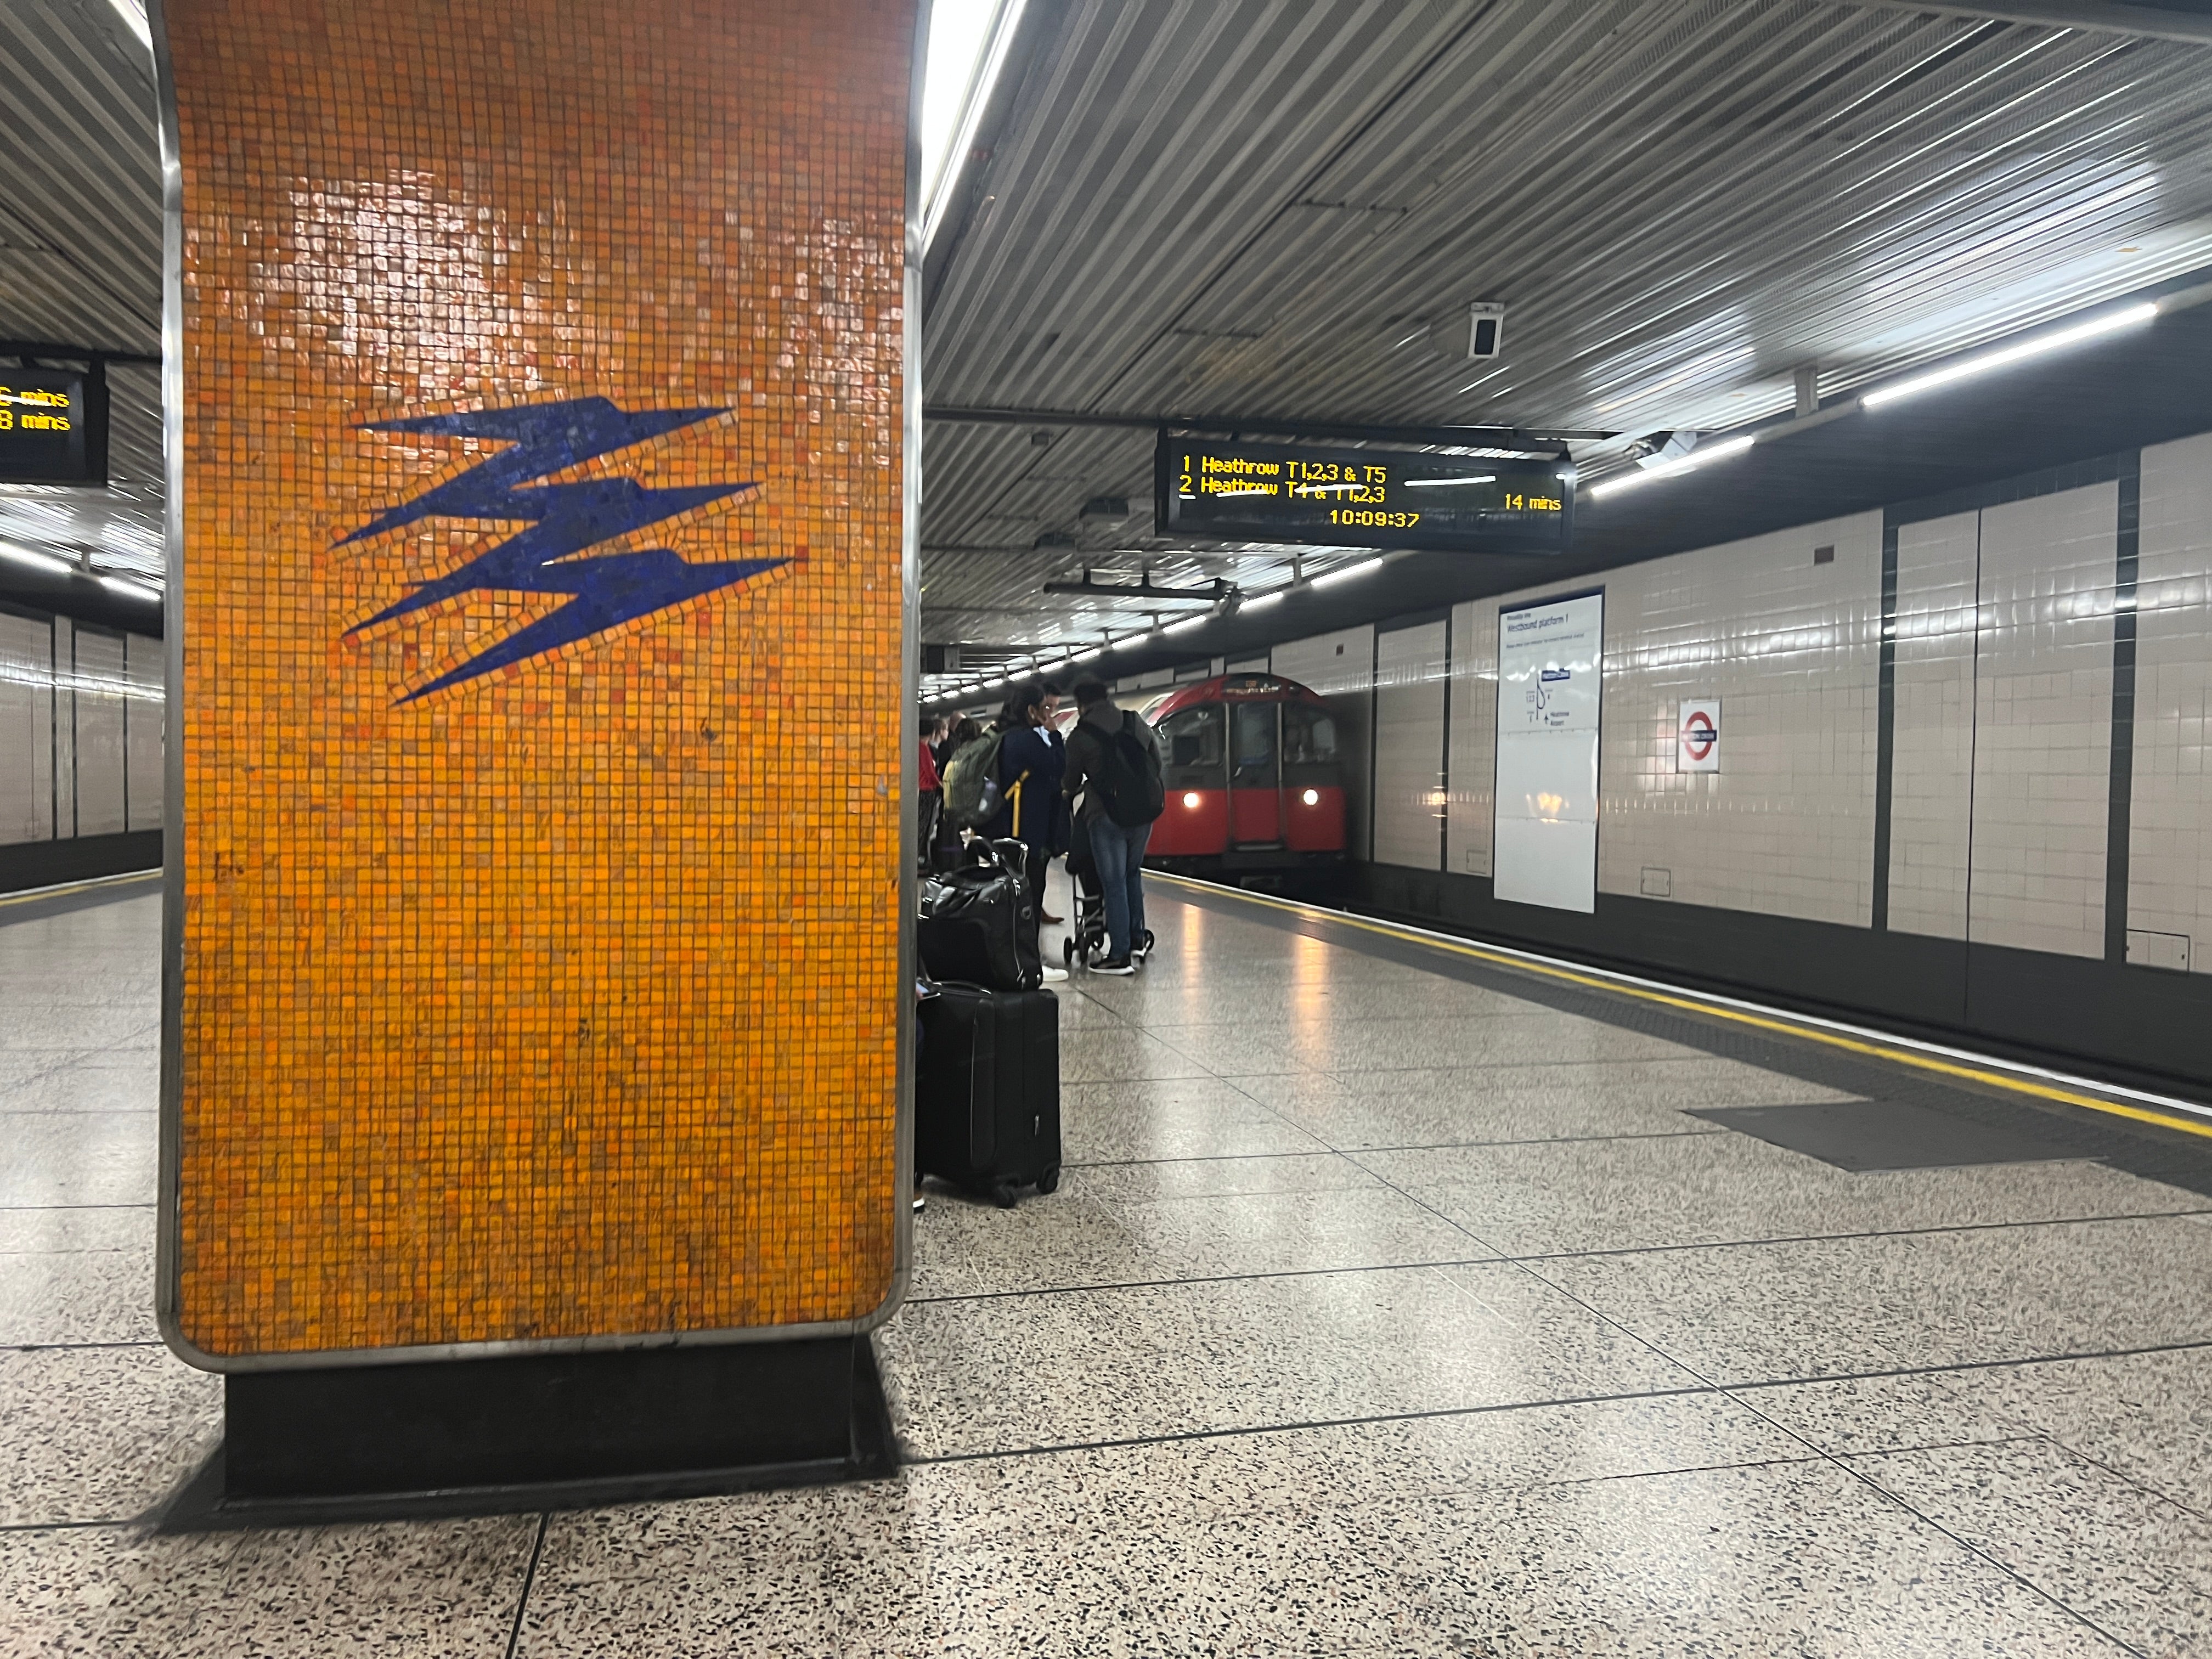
[
  {"x": 1550, "y": 657},
  {"x": 53, "y": 426},
  {"x": 1486, "y": 500},
  {"x": 1698, "y": 735}
]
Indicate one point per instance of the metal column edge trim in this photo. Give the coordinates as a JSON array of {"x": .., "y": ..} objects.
[{"x": 167, "y": 1255}]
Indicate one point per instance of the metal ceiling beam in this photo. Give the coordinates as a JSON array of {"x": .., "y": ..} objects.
[
  {"x": 2100, "y": 17},
  {"x": 75, "y": 353},
  {"x": 973, "y": 416}
]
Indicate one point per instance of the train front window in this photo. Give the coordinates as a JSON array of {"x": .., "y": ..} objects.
[
  {"x": 1254, "y": 758},
  {"x": 1192, "y": 737},
  {"x": 1309, "y": 735}
]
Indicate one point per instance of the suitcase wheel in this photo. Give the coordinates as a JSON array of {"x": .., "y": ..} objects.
[
  {"x": 1003, "y": 1196},
  {"x": 1049, "y": 1181}
]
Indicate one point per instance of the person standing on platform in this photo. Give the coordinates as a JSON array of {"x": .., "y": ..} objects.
[
  {"x": 965, "y": 730},
  {"x": 1048, "y": 730},
  {"x": 1031, "y": 760},
  {"x": 929, "y": 792},
  {"x": 1113, "y": 763}
]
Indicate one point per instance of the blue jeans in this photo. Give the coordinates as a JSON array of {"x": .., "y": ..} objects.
[{"x": 1120, "y": 855}]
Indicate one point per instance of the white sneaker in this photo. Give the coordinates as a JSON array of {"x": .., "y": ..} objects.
[{"x": 1053, "y": 975}]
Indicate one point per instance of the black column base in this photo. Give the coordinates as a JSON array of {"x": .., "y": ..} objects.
[{"x": 490, "y": 1436}]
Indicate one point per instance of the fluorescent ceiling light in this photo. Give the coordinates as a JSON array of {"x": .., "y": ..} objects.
[
  {"x": 1264, "y": 598},
  {"x": 1348, "y": 573},
  {"x": 968, "y": 44},
  {"x": 1185, "y": 626},
  {"x": 1703, "y": 455},
  {"x": 133, "y": 14},
  {"x": 1438, "y": 484},
  {"x": 1085, "y": 656},
  {"x": 2111, "y": 323},
  {"x": 39, "y": 561},
  {"x": 135, "y": 590}
]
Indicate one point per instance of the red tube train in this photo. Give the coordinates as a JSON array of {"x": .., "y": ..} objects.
[{"x": 1253, "y": 787}]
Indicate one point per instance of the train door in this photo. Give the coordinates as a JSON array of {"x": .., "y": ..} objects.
[
  {"x": 1194, "y": 765},
  {"x": 1255, "y": 775}
]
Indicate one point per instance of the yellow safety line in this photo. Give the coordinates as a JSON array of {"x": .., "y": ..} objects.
[
  {"x": 1694, "y": 1005},
  {"x": 73, "y": 887}
]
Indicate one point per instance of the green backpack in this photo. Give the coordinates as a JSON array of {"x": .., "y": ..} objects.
[{"x": 971, "y": 782}]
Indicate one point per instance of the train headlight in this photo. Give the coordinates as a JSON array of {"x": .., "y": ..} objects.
[
  {"x": 1190, "y": 800},
  {"x": 1312, "y": 798}
]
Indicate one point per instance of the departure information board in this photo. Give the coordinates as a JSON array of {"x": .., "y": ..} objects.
[
  {"x": 1500, "y": 501},
  {"x": 53, "y": 426}
]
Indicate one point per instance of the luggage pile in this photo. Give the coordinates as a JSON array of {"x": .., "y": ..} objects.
[{"x": 986, "y": 1086}]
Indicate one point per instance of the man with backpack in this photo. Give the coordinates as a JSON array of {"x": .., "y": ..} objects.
[{"x": 1114, "y": 763}]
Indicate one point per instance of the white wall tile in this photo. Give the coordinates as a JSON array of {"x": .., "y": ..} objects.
[
  {"x": 26, "y": 729},
  {"x": 100, "y": 693},
  {"x": 1932, "y": 769},
  {"x": 1410, "y": 683},
  {"x": 64, "y": 729},
  {"x": 141, "y": 729},
  {"x": 2043, "y": 722},
  {"x": 1792, "y": 649},
  {"x": 2170, "y": 822},
  {"x": 1473, "y": 757}
]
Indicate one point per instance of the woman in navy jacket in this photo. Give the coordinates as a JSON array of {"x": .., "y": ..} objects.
[{"x": 1032, "y": 759}]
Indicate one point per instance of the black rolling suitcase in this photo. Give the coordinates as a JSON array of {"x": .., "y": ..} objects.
[{"x": 986, "y": 1094}]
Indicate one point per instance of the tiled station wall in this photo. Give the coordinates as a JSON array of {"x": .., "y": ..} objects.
[
  {"x": 1972, "y": 882},
  {"x": 80, "y": 731},
  {"x": 529, "y": 992}
]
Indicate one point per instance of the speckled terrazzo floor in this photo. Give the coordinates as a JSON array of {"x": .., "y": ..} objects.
[{"x": 1383, "y": 1310}]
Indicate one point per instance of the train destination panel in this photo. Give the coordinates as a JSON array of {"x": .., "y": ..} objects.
[
  {"x": 53, "y": 426},
  {"x": 1499, "y": 501}
]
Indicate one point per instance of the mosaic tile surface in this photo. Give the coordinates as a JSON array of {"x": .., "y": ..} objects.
[{"x": 542, "y": 661}]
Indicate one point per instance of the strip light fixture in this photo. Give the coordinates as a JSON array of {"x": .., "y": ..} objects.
[
  {"x": 133, "y": 14},
  {"x": 969, "y": 40},
  {"x": 1185, "y": 625},
  {"x": 1704, "y": 455},
  {"x": 36, "y": 561},
  {"x": 1347, "y": 573},
  {"x": 2111, "y": 323},
  {"x": 131, "y": 589}
]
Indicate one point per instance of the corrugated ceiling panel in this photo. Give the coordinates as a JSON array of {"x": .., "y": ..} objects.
[{"x": 1247, "y": 208}]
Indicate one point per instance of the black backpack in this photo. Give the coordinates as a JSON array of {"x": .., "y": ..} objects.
[{"x": 1127, "y": 778}]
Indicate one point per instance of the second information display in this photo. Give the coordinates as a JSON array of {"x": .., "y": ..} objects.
[{"x": 1501, "y": 502}]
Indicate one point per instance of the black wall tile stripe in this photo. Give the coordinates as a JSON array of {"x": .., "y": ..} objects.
[
  {"x": 1443, "y": 761},
  {"x": 2117, "y": 823},
  {"x": 1885, "y": 730}
]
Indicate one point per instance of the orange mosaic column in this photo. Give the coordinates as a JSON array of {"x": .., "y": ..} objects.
[{"x": 536, "y": 974}]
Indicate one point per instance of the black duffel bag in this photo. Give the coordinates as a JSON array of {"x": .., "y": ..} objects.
[{"x": 979, "y": 923}]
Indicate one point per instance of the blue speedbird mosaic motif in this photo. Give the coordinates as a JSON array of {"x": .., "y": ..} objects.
[{"x": 564, "y": 520}]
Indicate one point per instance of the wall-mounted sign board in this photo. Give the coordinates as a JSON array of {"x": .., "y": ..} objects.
[
  {"x": 1698, "y": 735},
  {"x": 1551, "y": 664},
  {"x": 1500, "y": 501},
  {"x": 53, "y": 426}
]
